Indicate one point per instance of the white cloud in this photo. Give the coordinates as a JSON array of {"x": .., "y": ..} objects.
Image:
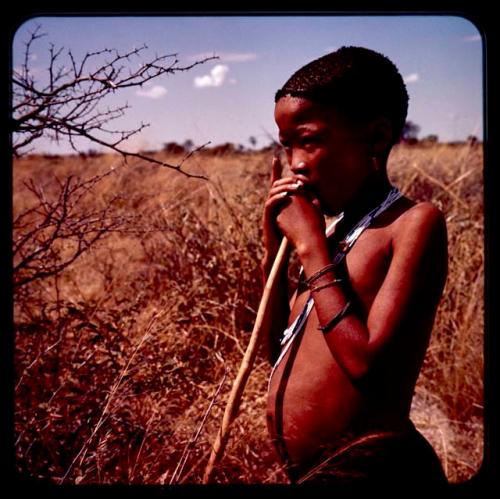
[
  {"x": 216, "y": 78},
  {"x": 226, "y": 56},
  {"x": 155, "y": 92},
  {"x": 472, "y": 38},
  {"x": 238, "y": 57},
  {"x": 411, "y": 78}
]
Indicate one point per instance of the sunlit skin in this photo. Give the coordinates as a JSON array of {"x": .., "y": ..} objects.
[{"x": 360, "y": 375}]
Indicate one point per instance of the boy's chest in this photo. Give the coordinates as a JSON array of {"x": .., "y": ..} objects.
[{"x": 368, "y": 263}]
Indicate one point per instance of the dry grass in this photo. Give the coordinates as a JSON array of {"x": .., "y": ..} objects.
[{"x": 124, "y": 359}]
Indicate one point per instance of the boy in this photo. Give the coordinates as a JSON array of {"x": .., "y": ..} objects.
[{"x": 360, "y": 320}]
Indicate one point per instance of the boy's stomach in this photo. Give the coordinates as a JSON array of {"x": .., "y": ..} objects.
[{"x": 311, "y": 401}]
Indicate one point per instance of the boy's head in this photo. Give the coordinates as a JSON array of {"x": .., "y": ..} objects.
[{"x": 358, "y": 83}]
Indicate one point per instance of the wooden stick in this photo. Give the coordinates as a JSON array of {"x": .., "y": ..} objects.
[{"x": 259, "y": 329}]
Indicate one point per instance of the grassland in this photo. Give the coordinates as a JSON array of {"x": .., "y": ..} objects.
[{"x": 120, "y": 353}]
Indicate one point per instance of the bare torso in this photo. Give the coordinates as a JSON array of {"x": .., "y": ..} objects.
[{"x": 312, "y": 402}]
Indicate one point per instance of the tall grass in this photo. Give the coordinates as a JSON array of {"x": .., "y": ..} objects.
[{"x": 124, "y": 359}]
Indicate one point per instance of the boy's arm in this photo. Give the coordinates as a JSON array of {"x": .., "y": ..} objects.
[{"x": 409, "y": 293}]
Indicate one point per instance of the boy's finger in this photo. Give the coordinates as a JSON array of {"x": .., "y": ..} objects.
[
  {"x": 285, "y": 184},
  {"x": 276, "y": 169},
  {"x": 277, "y": 200}
]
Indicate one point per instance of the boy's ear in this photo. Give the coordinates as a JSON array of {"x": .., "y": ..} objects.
[{"x": 380, "y": 135}]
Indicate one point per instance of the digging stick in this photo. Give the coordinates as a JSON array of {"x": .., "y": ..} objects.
[{"x": 259, "y": 329}]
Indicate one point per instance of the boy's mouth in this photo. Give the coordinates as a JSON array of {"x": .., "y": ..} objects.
[
  {"x": 309, "y": 188},
  {"x": 306, "y": 186}
]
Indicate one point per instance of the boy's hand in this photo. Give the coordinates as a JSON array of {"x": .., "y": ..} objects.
[
  {"x": 291, "y": 211},
  {"x": 301, "y": 221},
  {"x": 271, "y": 232}
]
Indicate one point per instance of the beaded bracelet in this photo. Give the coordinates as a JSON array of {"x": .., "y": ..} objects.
[
  {"x": 336, "y": 319},
  {"x": 326, "y": 285},
  {"x": 319, "y": 273}
]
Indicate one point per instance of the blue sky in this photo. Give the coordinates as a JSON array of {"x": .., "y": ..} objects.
[{"x": 232, "y": 98}]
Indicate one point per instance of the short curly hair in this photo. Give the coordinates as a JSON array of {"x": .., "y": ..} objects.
[{"x": 359, "y": 83}]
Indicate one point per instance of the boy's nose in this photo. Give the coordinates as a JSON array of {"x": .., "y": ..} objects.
[{"x": 299, "y": 167}]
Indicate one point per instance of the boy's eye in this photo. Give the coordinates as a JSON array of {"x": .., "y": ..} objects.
[
  {"x": 305, "y": 141},
  {"x": 308, "y": 141}
]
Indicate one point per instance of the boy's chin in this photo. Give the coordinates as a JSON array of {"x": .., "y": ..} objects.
[{"x": 330, "y": 211}]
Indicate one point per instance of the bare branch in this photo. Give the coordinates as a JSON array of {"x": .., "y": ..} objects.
[
  {"x": 50, "y": 235},
  {"x": 71, "y": 131},
  {"x": 68, "y": 104},
  {"x": 35, "y": 35}
]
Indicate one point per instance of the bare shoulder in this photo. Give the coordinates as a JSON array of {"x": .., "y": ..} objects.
[
  {"x": 420, "y": 249},
  {"x": 423, "y": 220}
]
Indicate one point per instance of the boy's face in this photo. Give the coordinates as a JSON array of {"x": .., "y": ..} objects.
[{"x": 332, "y": 158}]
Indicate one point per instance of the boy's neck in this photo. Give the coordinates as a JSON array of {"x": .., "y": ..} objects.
[{"x": 372, "y": 192}]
